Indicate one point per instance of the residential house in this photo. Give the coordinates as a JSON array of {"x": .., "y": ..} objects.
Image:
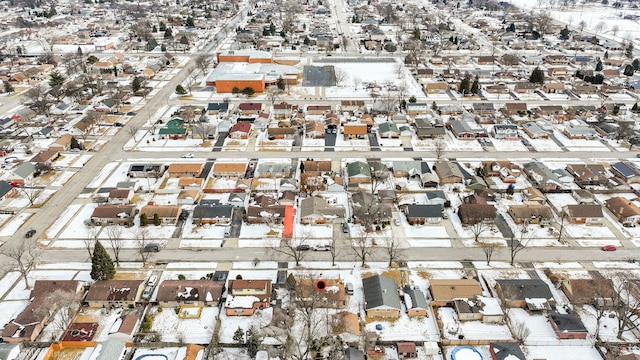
[
  {"x": 114, "y": 293},
  {"x": 480, "y": 308},
  {"x": 364, "y": 204},
  {"x": 45, "y": 157},
  {"x": 506, "y": 132},
  {"x": 113, "y": 215},
  {"x": 531, "y": 214},
  {"x": 6, "y": 190},
  {"x": 44, "y": 133},
  {"x": 250, "y": 108},
  {"x": 228, "y": 169},
  {"x": 407, "y": 350},
  {"x": 584, "y": 214},
  {"x": 318, "y": 210},
  {"x": 212, "y": 213},
  {"x": 240, "y": 130},
  {"x": 354, "y": 131},
  {"x": 583, "y": 196},
  {"x": 534, "y": 131},
  {"x": 626, "y": 170},
  {"x": 436, "y": 87},
  {"x": 174, "y": 129},
  {"x": 265, "y": 208},
  {"x": 588, "y": 291},
  {"x": 510, "y": 109},
  {"x": 428, "y": 130},
  {"x": 463, "y": 130},
  {"x": 626, "y": 211},
  {"x": 506, "y": 351},
  {"x": 281, "y": 132},
  {"x": 146, "y": 171},
  {"x": 351, "y": 105},
  {"x": 381, "y": 298},
  {"x": 319, "y": 109},
  {"x": 284, "y": 110},
  {"x": 244, "y": 297},
  {"x": 273, "y": 170},
  {"x": 120, "y": 196},
  {"x": 314, "y": 130},
  {"x": 532, "y": 294},
  {"x": 358, "y": 172},
  {"x": 525, "y": 87},
  {"x": 43, "y": 302},
  {"x": 416, "y": 108},
  {"x": 188, "y": 182},
  {"x": 588, "y": 174},
  {"x": 567, "y": 326},
  {"x": 415, "y": 301},
  {"x": 471, "y": 214},
  {"x": 424, "y": 214},
  {"x": 388, "y": 130},
  {"x": 445, "y": 291},
  {"x": 178, "y": 170},
  {"x": 219, "y": 109},
  {"x": 534, "y": 196},
  {"x": 542, "y": 177},
  {"x": 63, "y": 143},
  {"x": 553, "y": 87},
  {"x": 174, "y": 293},
  {"x": 167, "y": 214},
  {"x": 448, "y": 172},
  {"x": 128, "y": 327}
]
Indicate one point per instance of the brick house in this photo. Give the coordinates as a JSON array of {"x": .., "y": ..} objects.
[
  {"x": 119, "y": 293},
  {"x": 246, "y": 296},
  {"x": 381, "y": 298},
  {"x": 173, "y": 293},
  {"x": 185, "y": 170},
  {"x": 113, "y": 215}
]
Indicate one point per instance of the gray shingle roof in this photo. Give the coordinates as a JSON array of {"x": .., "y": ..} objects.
[{"x": 380, "y": 291}]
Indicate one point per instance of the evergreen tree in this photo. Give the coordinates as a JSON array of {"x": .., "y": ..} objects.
[
  {"x": 8, "y": 88},
  {"x": 281, "y": 84},
  {"x": 154, "y": 29},
  {"x": 636, "y": 64},
  {"x": 180, "y": 90},
  {"x": 599, "y": 65},
  {"x": 634, "y": 109},
  {"x": 156, "y": 220},
  {"x": 475, "y": 87},
  {"x": 248, "y": 91},
  {"x": 184, "y": 40},
  {"x": 56, "y": 79},
  {"x": 135, "y": 84},
  {"x": 144, "y": 220},
  {"x": 434, "y": 106},
  {"x": 628, "y": 70},
  {"x": 190, "y": 22},
  {"x": 412, "y": 99},
  {"x": 79, "y": 51},
  {"x": 629, "y": 50},
  {"x": 537, "y": 76},
  {"x": 162, "y": 26},
  {"x": 101, "y": 264},
  {"x": 464, "y": 85},
  {"x": 168, "y": 34},
  {"x": 238, "y": 336},
  {"x": 235, "y": 90},
  {"x": 606, "y": 54}
]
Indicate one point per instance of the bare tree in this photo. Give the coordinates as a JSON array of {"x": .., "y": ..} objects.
[
  {"x": 114, "y": 233},
  {"x": 563, "y": 217},
  {"x": 392, "y": 248},
  {"x": 203, "y": 130},
  {"x": 439, "y": 147},
  {"x": 519, "y": 241},
  {"x": 333, "y": 250},
  {"x": 341, "y": 75},
  {"x": 543, "y": 22},
  {"x": 90, "y": 240},
  {"x": 479, "y": 227},
  {"x": 295, "y": 248},
  {"x": 520, "y": 330},
  {"x": 273, "y": 94},
  {"x": 581, "y": 25},
  {"x": 362, "y": 245},
  {"x": 37, "y": 96},
  {"x": 67, "y": 304},
  {"x": 600, "y": 26},
  {"x": 356, "y": 82},
  {"x": 614, "y": 30},
  {"x": 30, "y": 193},
  {"x": 626, "y": 305},
  {"x": 203, "y": 62},
  {"x": 142, "y": 240},
  {"x": 23, "y": 257},
  {"x": 132, "y": 129},
  {"x": 488, "y": 249}
]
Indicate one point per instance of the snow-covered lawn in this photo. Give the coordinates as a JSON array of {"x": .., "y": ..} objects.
[
  {"x": 452, "y": 327},
  {"x": 406, "y": 328},
  {"x": 230, "y": 324},
  {"x": 192, "y": 331}
]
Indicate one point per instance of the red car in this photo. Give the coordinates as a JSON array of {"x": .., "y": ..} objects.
[{"x": 609, "y": 248}]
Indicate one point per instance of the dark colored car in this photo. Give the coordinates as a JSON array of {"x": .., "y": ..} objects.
[
  {"x": 152, "y": 248},
  {"x": 30, "y": 233},
  {"x": 303, "y": 247},
  {"x": 184, "y": 215}
]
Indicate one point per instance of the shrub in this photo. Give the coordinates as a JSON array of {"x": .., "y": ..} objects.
[
  {"x": 181, "y": 277},
  {"x": 159, "y": 309}
]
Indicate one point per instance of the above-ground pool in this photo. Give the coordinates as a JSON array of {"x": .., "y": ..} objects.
[
  {"x": 465, "y": 353},
  {"x": 152, "y": 357}
]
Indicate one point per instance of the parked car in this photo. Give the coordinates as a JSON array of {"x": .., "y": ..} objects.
[
  {"x": 397, "y": 222},
  {"x": 184, "y": 215},
  {"x": 303, "y": 247},
  {"x": 30, "y": 233},
  {"x": 152, "y": 280},
  {"x": 345, "y": 228},
  {"x": 146, "y": 294},
  {"x": 609, "y": 248},
  {"x": 152, "y": 247},
  {"x": 118, "y": 124},
  {"x": 187, "y": 155},
  {"x": 348, "y": 288},
  {"x": 322, "y": 248}
]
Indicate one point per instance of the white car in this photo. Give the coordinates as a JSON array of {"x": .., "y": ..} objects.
[{"x": 188, "y": 156}]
